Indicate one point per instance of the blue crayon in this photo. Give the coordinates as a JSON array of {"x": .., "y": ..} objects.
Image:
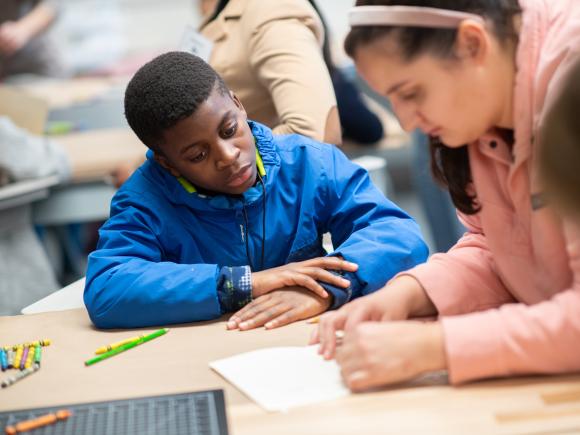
[{"x": 3, "y": 360}]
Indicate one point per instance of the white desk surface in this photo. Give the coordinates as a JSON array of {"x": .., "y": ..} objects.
[{"x": 67, "y": 298}]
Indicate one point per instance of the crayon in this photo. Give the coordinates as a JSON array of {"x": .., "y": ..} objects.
[
  {"x": 10, "y": 357},
  {"x": 24, "y": 357},
  {"x": 125, "y": 347},
  {"x": 37, "y": 355},
  {"x": 19, "y": 376},
  {"x": 38, "y": 422},
  {"x": 29, "y": 357},
  {"x": 3, "y": 360},
  {"x": 17, "y": 356},
  {"x": 112, "y": 346}
]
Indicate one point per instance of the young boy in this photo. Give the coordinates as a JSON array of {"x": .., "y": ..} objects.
[{"x": 224, "y": 215}]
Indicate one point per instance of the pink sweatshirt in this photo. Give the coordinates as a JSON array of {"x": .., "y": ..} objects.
[{"x": 508, "y": 293}]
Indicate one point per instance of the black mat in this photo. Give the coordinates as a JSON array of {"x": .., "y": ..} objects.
[{"x": 198, "y": 413}]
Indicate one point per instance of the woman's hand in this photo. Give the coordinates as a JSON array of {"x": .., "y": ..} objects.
[
  {"x": 399, "y": 300},
  {"x": 376, "y": 354}
]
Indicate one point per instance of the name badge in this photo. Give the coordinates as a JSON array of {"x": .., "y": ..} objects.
[{"x": 195, "y": 43}]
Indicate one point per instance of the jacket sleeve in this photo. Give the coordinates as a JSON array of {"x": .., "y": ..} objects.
[
  {"x": 131, "y": 284},
  {"x": 517, "y": 338},
  {"x": 469, "y": 269},
  {"x": 286, "y": 57},
  {"x": 367, "y": 228}
]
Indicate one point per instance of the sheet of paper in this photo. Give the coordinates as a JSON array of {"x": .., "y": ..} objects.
[{"x": 280, "y": 378}]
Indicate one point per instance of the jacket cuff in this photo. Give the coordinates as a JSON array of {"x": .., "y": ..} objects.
[
  {"x": 234, "y": 288},
  {"x": 343, "y": 295}
]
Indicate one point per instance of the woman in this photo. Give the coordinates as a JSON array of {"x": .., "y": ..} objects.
[{"x": 476, "y": 75}]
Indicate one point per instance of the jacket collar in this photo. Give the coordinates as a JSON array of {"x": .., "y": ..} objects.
[
  {"x": 217, "y": 29},
  {"x": 177, "y": 192}
]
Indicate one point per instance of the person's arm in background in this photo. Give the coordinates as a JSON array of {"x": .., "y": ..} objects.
[
  {"x": 24, "y": 155},
  {"x": 366, "y": 228},
  {"x": 14, "y": 35},
  {"x": 285, "y": 45}
]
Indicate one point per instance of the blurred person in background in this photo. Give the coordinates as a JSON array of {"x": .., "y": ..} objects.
[
  {"x": 270, "y": 55},
  {"x": 275, "y": 61},
  {"x": 25, "y": 46}
]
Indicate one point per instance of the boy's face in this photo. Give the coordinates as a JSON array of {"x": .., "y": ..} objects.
[{"x": 213, "y": 148}]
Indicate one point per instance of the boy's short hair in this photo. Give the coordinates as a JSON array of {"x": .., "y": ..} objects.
[
  {"x": 166, "y": 90},
  {"x": 560, "y": 145}
]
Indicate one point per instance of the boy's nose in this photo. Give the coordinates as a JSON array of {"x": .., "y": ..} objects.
[{"x": 228, "y": 154}]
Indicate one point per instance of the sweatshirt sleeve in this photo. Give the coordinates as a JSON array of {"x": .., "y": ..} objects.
[
  {"x": 464, "y": 279},
  {"x": 367, "y": 229},
  {"x": 513, "y": 338},
  {"x": 130, "y": 282}
]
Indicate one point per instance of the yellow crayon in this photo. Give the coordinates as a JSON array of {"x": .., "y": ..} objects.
[
  {"x": 313, "y": 320},
  {"x": 110, "y": 347},
  {"x": 29, "y": 357},
  {"x": 18, "y": 356},
  {"x": 45, "y": 342}
]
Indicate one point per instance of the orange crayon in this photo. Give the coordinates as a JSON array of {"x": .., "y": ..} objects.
[{"x": 35, "y": 423}]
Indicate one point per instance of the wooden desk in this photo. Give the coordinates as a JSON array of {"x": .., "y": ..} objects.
[
  {"x": 60, "y": 93},
  {"x": 177, "y": 362}
]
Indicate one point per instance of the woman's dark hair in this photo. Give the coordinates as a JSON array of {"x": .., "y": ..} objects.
[
  {"x": 219, "y": 7},
  {"x": 450, "y": 166}
]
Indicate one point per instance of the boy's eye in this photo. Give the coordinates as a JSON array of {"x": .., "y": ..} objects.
[
  {"x": 408, "y": 97},
  {"x": 199, "y": 157},
  {"x": 230, "y": 131}
]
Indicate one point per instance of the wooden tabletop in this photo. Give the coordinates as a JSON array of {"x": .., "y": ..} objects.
[{"x": 178, "y": 362}]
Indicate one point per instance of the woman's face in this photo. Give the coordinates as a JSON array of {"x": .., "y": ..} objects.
[{"x": 457, "y": 100}]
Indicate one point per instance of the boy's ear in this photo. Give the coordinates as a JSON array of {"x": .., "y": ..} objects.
[
  {"x": 472, "y": 42},
  {"x": 162, "y": 160},
  {"x": 238, "y": 103}
]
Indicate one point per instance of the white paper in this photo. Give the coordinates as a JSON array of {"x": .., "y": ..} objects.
[{"x": 280, "y": 378}]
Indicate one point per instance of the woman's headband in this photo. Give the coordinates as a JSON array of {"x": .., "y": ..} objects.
[{"x": 409, "y": 16}]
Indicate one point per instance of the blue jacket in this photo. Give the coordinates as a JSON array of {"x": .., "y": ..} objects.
[{"x": 170, "y": 256}]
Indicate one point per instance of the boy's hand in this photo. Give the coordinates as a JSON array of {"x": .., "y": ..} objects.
[
  {"x": 279, "y": 308},
  {"x": 304, "y": 274}
]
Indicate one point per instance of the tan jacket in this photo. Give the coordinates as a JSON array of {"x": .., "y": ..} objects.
[{"x": 269, "y": 53}]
